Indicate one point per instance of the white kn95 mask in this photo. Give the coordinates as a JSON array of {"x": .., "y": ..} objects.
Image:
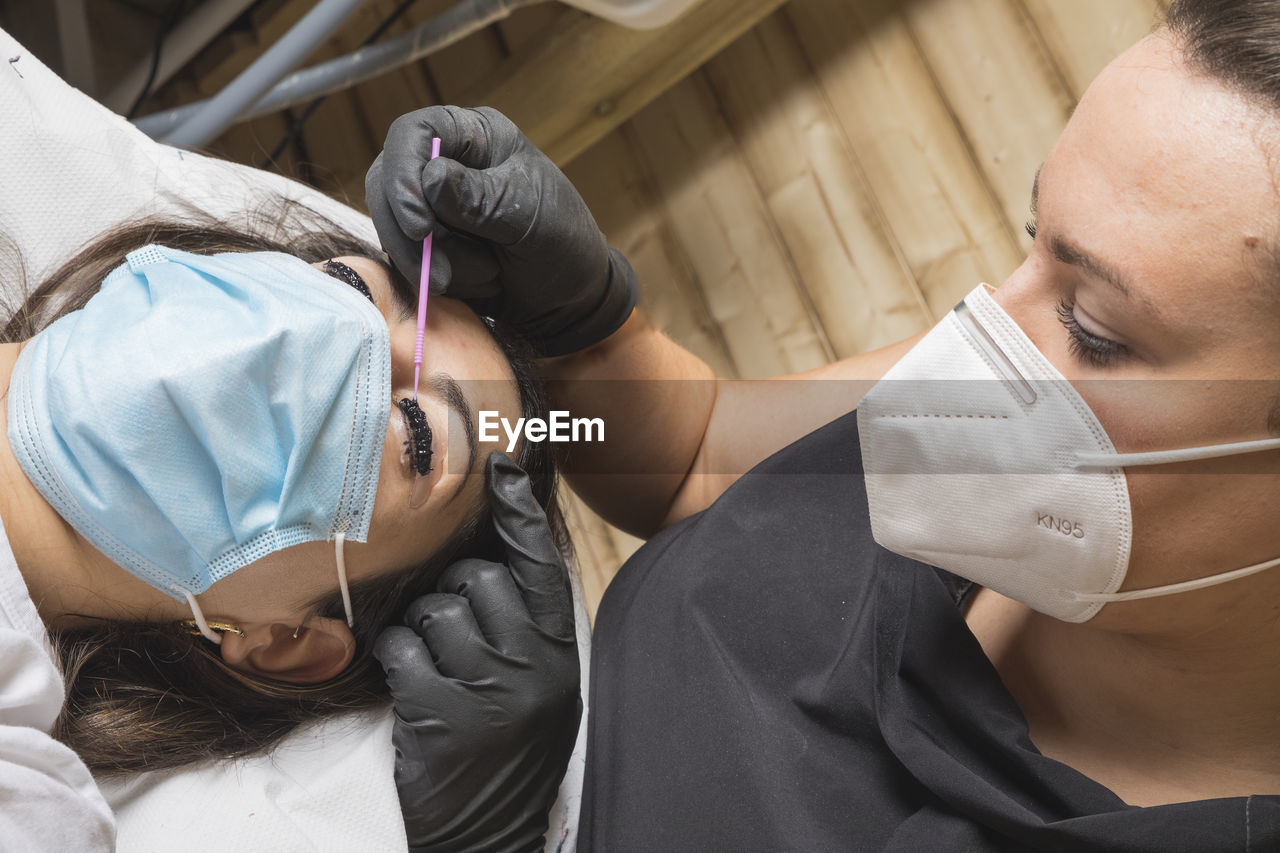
[{"x": 981, "y": 458}]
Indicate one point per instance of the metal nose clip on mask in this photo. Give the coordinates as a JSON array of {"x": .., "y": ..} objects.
[
  {"x": 202, "y": 412},
  {"x": 981, "y": 458}
]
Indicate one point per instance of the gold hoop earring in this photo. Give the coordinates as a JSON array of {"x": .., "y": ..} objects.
[{"x": 225, "y": 627}]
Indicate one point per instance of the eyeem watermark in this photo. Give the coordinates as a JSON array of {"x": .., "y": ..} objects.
[{"x": 559, "y": 427}]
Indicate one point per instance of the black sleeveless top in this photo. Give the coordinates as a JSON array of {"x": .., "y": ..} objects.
[{"x": 764, "y": 677}]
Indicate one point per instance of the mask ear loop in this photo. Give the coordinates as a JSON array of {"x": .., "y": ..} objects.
[
  {"x": 1172, "y": 588},
  {"x": 339, "y": 540},
  {"x": 209, "y": 634}
]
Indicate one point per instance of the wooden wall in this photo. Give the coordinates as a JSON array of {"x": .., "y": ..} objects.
[
  {"x": 833, "y": 181},
  {"x": 841, "y": 176}
]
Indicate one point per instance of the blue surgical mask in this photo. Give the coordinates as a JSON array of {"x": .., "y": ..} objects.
[{"x": 201, "y": 412}]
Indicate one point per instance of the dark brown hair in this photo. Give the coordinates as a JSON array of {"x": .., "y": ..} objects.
[
  {"x": 1236, "y": 42},
  {"x": 143, "y": 696}
]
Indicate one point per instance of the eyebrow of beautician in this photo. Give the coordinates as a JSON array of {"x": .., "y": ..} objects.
[
  {"x": 1066, "y": 252},
  {"x": 445, "y": 386}
]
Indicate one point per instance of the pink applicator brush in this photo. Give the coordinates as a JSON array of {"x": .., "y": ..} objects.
[{"x": 424, "y": 280}]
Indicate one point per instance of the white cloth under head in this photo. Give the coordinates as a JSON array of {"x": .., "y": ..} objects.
[{"x": 48, "y": 800}]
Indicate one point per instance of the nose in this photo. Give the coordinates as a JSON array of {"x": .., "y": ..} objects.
[{"x": 1031, "y": 301}]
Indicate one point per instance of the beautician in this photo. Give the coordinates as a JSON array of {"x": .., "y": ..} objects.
[{"x": 1004, "y": 602}]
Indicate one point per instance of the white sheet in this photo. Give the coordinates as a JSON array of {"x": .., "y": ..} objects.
[
  {"x": 70, "y": 169},
  {"x": 38, "y": 775}
]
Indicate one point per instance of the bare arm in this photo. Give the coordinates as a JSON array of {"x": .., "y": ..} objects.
[{"x": 676, "y": 436}]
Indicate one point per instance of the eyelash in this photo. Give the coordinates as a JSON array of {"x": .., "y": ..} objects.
[
  {"x": 419, "y": 445},
  {"x": 342, "y": 272},
  {"x": 1087, "y": 348}
]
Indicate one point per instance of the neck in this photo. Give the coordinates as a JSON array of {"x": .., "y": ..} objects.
[
  {"x": 1198, "y": 707},
  {"x": 67, "y": 578}
]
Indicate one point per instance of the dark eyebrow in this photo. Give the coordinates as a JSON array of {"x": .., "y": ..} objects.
[
  {"x": 1066, "y": 252},
  {"x": 405, "y": 295},
  {"x": 447, "y": 387},
  {"x": 1069, "y": 253},
  {"x": 1072, "y": 255}
]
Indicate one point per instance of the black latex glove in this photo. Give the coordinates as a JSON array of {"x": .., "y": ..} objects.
[
  {"x": 485, "y": 684},
  {"x": 512, "y": 236}
]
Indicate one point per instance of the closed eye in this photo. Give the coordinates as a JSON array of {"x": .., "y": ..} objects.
[
  {"x": 1088, "y": 348},
  {"x": 419, "y": 450},
  {"x": 342, "y": 272}
]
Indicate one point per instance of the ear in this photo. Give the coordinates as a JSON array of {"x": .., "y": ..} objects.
[{"x": 321, "y": 650}]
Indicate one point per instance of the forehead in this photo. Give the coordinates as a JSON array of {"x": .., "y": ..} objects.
[{"x": 1167, "y": 173}]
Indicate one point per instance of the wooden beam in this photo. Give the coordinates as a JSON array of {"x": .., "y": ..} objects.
[
  {"x": 1009, "y": 99},
  {"x": 911, "y": 166},
  {"x": 584, "y": 76},
  {"x": 1085, "y": 37}
]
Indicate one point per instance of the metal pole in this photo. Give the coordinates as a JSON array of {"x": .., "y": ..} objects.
[
  {"x": 281, "y": 58},
  {"x": 188, "y": 38},
  {"x": 455, "y": 23}
]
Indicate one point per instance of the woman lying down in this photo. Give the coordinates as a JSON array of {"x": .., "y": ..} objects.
[{"x": 219, "y": 488}]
